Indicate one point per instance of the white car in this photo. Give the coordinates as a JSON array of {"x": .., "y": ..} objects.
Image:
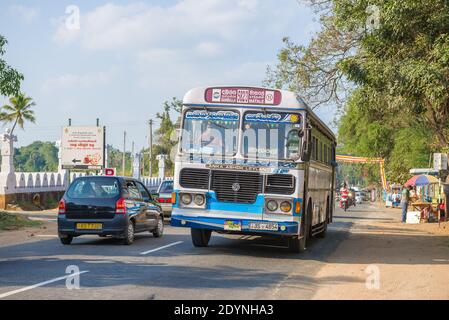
[
  {"x": 358, "y": 197},
  {"x": 164, "y": 197}
]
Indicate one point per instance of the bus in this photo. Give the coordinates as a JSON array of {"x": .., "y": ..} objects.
[{"x": 253, "y": 161}]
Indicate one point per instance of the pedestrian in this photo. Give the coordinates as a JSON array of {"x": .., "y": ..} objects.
[{"x": 405, "y": 198}]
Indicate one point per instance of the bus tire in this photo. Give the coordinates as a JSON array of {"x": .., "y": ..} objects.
[
  {"x": 298, "y": 244},
  {"x": 322, "y": 233},
  {"x": 200, "y": 237}
]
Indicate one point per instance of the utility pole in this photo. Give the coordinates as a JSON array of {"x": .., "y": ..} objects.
[
  {"x": 150, "y": 142},
  {"x": 124, "y": 154}
]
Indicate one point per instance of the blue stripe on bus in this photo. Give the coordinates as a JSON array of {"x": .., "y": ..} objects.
[{"x": 217, "y": 224}]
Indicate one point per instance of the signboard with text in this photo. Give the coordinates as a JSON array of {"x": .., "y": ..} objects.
[
  {"x": 83, "y": 148},
  {"x": 254, "y": 96}
]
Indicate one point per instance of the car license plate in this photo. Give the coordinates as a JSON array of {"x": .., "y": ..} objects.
[
  {"x": 89, "y": 226},
  {"x": 233, "y": 225},
  {"x": 265, "y": 226}
]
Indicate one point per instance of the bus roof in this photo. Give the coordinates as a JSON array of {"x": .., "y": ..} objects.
[{"x": 250, "y": 97}]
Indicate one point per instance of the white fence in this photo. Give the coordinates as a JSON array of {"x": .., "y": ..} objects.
[{"x": 53, "y": 181}]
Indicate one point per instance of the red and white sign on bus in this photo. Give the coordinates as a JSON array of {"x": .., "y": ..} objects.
[{"x": 256, "y": 96}]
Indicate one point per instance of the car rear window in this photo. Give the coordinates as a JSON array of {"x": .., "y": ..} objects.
[
  {"x": 94, "y": 188},
  {"x": 166, "y": 187}
]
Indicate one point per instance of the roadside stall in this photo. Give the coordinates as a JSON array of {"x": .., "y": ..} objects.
[{"x": 424, "y": 199}]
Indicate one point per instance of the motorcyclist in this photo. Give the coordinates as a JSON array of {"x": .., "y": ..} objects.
[{"x": 344, "y": 197}]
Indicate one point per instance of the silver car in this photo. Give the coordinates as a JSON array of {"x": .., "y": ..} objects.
[{"x": 164, "y": 198}]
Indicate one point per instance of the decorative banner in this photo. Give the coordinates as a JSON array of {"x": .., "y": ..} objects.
[
  {"x": 380, "y": 161},
  {"x": 255, "y": 96},
  {"x": 82, "y": 148}
]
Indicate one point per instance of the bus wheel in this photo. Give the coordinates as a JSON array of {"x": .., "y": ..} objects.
[
  {"x": 322, "y": 233},
  {"x": 298, "y": 244},
  {"x": 200, "y": 237}
]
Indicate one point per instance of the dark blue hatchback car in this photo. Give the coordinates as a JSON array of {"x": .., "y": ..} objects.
[{"x": 103, "y": 206}]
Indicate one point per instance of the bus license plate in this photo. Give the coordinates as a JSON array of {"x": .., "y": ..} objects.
[
  {"x": 233, "y": 225},
  {"x": 89, "y": 226},
  {"x": 264, "y": 226}
]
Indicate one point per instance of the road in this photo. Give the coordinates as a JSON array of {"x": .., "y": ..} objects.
[{"x": 232, "y": 267}]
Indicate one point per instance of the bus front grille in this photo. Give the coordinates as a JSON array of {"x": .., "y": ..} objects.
[
  {"x": 237, "y": 187},
  {"x": 194, "y": 178}
]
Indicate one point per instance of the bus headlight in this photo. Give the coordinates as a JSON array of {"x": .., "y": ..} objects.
[
  {"x": 186, "y": 198},
  {"x": 272, "y": 205},
  {"x": 199, "y": 200},
  {"x": 286, "y": 206}
]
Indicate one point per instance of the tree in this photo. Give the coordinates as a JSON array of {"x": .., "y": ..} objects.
[
  {"x": 166, "y": 133},
  {"x": 18, "y": 111},
  {"x": 10, "y": 79},
  {"x": 385, "y": 65},
  {"x": 36, "y": 157}
]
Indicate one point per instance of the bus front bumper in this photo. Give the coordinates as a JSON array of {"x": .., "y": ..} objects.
[{"x": 237, "y": 226}]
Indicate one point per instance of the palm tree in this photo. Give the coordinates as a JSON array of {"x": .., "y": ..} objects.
[{"x": 18, "y": 111}]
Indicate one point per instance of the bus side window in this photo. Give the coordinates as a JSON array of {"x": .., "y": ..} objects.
[
  {"x": 325, "y": 154},
  {"x": 321, "y": 151}
]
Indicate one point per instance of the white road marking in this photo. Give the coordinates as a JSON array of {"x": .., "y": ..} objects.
[
  {"x": 163, "y": 247},
  {"x": 10, "y": 293}
]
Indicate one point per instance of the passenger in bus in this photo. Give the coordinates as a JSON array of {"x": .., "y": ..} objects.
[{"x": 210, "y": 139}]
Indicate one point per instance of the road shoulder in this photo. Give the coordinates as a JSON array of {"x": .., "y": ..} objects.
[{"x": 389, "y": 260}]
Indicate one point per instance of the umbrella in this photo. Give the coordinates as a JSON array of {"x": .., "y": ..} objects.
[{"x": 421, "y": 180}]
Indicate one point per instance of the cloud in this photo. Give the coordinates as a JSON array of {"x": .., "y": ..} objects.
[
  {"x": 25, "y": 13},
  {"x": 76, "y": 81},
  {"x": 187, "y": 22}
]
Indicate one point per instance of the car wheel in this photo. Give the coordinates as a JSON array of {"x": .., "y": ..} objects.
[
  {"x": 66, "y": 240},
  {"x": 200, "y": 237},
  {"x": 129, "y": 234},
  {"x": 159, "y": 231}
]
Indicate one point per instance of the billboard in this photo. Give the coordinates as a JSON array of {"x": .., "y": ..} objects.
[{"x": 83, "y": 148}]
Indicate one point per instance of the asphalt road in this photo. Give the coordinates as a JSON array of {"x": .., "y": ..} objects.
[{"x": 232, "y": 267}]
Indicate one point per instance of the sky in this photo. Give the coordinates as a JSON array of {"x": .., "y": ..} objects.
[{"x": 122, "y": 59}]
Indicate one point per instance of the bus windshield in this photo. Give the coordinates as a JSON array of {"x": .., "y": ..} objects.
[
  {"x": 271, "y": 135},
  {"x": 210, "y": 132}
]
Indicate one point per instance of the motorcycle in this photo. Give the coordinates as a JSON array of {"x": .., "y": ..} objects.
[{"x": 344, "y": 204}]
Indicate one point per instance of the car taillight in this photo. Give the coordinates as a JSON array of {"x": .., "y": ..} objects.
[
  {"x": 61, "y": 207},
  {"x": 120, "y": 206},
  {"x": 162, "y": 200}
]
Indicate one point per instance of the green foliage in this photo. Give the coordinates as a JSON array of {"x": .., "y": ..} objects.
[
  {"x": 10, "y": 79},
  {"x": 36, "y": 157},
  {"x": 115, "y": 160},
  {"x": 166, "y": 134},
  {"x": 9, "y": 221},
  {"x": 18, "y": 111}
]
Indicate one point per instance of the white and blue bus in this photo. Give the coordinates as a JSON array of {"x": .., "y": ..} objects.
[{"x": 253, "y": 161}]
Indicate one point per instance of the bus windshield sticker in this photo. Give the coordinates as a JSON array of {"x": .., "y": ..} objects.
[
  {"x": 273, "y": 118},
  {"x": 212, "y": 115}
]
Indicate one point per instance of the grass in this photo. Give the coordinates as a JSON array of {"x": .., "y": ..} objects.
[{"x": 10, "y": 221}]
